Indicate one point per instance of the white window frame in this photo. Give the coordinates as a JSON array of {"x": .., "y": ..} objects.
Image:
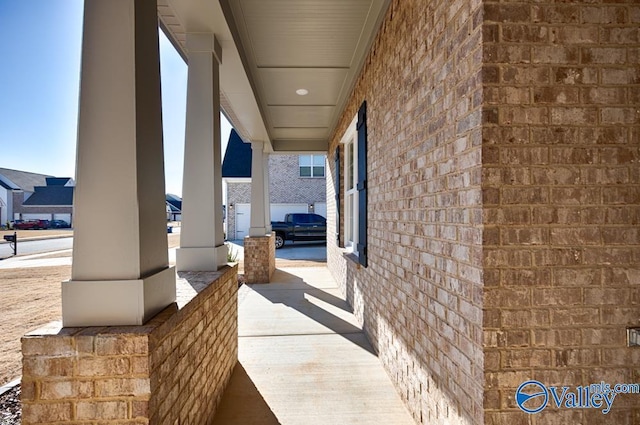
[
  {"x": 350, "y": 188},
  {"x": 313, "y": 157}
]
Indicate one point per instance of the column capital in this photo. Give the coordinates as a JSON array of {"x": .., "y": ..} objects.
[{"x": 204, "y": 42}]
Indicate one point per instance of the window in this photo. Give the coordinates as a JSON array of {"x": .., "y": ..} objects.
[
  {"x": 355, "y": 186},
  {"x": 312, "y": 165}
]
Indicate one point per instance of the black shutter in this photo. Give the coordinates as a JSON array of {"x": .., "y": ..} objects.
[
  {"x": 337, "y": 185},
  {"x": 362, "y": 184}
]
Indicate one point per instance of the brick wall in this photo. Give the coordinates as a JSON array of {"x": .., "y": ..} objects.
[
  {"x": 286, "y": 185},
  {"x": 171, "y": 370},
  {"x": 561, "y": 190},
  {"x": 420, "y": 299}
]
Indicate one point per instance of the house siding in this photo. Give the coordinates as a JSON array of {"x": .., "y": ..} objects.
[
  {"x": 561, "y": 193},
  {"x": 420, "y": 298},
  {"x": 504, "y": 205}
]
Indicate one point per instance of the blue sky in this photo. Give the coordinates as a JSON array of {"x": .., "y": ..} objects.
[{"x": 40, "y": 44}]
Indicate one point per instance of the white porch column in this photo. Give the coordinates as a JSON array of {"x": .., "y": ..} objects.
[
  {"x": 202, "y": 245},
  {"x": 120, "y": 273},
  {"x": 259, "y": 196},
  {"x": 267, "y": 193}
]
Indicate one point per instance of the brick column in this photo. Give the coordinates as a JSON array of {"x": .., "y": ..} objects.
[
  {"x": 259, "y": 246},
  {"x": 173, "y": 369},
  {"x": 259, "y": 258}
]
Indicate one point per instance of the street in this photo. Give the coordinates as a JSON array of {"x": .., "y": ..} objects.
[{"x": 36, "y": 247}]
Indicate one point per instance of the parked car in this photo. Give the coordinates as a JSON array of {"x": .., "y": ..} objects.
[
  {"x": 30, "y": 224},
  {"x": 300, "y": 227},
  {"x": 58, "y": 224}
]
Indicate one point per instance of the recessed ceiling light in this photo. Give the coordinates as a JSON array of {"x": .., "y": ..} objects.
[{"x": 302, "y": 92}]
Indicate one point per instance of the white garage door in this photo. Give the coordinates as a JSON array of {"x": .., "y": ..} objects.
[
  {"x": 278, "y": 211},
  {"x": 34, "y": 216},
  {"x": 66, "y": 217},
  {"x": 321, "y": 208}
]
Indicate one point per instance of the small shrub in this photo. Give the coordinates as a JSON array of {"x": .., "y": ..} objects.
[{"x": 232, "y": 255}]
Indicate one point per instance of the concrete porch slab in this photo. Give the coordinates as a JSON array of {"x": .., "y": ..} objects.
[{"x": 303, "y": 359}]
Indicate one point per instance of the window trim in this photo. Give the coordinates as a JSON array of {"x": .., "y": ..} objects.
[
  {"x": 312, "y": 166},
  {"x": 351, "y": 206}
]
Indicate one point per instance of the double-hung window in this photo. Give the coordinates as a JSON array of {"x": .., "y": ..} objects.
[
  {"x": 351, "y": 189},
  {"x": 355, "y": 186},
  {"x": 312, "y": 165}
]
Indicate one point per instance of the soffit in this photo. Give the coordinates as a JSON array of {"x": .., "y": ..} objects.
[{"x": 271, "y": 48}]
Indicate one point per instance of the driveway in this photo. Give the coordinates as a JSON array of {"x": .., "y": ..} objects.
[{"x": 304, "y": 251}]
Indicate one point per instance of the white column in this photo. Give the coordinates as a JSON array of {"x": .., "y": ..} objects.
[
  {"x": 120, "y": 273},
  {"x": 267, "y": 193},
  {"x": 202, "y": 246},
  {"x": 259, "y": 196}
]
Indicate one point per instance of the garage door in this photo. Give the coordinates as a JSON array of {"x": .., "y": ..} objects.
[
  {"x": 34, "y": 216},
  {"x": 278, "y": 211},
  {"x": 65, "y": 217},
  {"x": 321, "y": 208}
]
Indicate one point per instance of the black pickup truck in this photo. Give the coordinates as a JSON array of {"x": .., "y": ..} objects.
[{"x": 300, "y": 227}]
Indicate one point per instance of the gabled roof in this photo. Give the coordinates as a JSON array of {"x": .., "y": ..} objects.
[
  {"x": 237, "y": 158},
  {"x": 51, "y": 195},
  {"x": 174, "y": 201},
  {"x": 8, "y": 184},
  {"x": 22, "y": 179},
  {"x": 172, "y": 207},
  {"x": 58, "y": 181}
]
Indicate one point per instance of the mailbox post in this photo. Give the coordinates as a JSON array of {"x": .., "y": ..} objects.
[{"x": 13, "y": 242}]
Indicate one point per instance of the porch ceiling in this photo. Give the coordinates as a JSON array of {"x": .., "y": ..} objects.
[{"x": 271, "y": 49}]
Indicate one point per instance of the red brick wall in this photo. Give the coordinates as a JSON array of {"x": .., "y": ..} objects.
[
  {"x": 561, "y": 201},
  {"x": 420, "y": 299}
]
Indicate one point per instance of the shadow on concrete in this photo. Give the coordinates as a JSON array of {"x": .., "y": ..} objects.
[
  {"x": 242, "y": 403},
  {"x": 294, "y": 293}
]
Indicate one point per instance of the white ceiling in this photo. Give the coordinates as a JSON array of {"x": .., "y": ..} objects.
[{"x": 271, "y": 48}]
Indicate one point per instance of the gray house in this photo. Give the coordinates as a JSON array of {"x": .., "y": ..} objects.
[
  {"x": 32, "y": 196},
  {"x": 296, "y": 184}
]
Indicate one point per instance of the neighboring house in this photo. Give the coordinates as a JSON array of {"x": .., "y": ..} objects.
[
  {"x": 297, "y": 184},
  {"x": 54, "y": 201},
  {"x": 174, "y": 207},
  {"x": 16, "y": 187}
]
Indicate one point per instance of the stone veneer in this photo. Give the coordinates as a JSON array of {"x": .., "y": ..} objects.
[
  {"x": 504, "y": 204},
  {"x": 171, "y": 370},
  {"x": 259, "y": 258}
]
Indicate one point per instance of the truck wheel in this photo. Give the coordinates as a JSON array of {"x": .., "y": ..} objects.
[{"x": 279, "y": 241}]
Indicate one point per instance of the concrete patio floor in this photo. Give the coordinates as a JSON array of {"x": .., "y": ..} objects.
[{"x": 303, "y": 359}]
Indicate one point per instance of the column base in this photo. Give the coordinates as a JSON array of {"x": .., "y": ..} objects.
[
  {"x": 259, "y": 258},
  {"x": 205, "y": 259},
  {"x": 117, "y": 302}
]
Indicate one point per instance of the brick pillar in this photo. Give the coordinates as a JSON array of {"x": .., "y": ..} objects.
[
  {"x": 173, "y": 369},
  {"x": 259, "y": 258}
]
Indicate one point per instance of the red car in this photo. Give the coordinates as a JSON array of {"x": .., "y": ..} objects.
[{"x": 30, "y": 224}]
